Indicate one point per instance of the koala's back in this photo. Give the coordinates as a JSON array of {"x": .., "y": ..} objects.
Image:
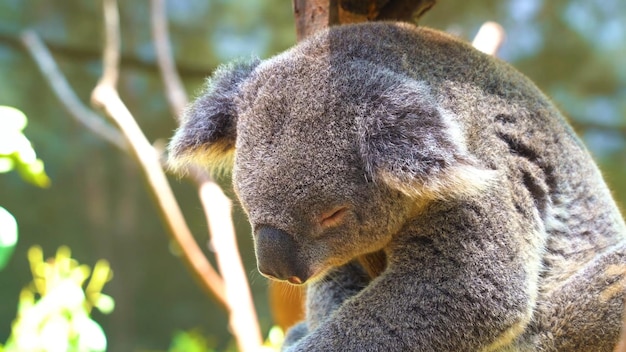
[{"x": 509, "y": 125}]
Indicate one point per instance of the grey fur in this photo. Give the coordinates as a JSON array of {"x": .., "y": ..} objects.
[{"x": 495, "y": 228}]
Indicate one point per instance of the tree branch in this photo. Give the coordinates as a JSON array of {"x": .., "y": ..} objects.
[
  {"x": 112, "y": 45},
  {"x": 174, "y": 89},
  {"x": 489, "y": 38},
  {"x": 581, "y": 126},
  {"x": 243, "y": 319},
  {"x": 314, "y": 15},
  {"x": 106, "y": 97},
  {"x": 405, "y": 10},
  {"x": 61, "y": 88},
  {"x": 217, "y": 207},
  {"x": 87, "y": 54},
  {"x": 200, "y": 267}
]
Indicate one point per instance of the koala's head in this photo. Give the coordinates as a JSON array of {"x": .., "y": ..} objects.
[{"x": 330, "y": 156}]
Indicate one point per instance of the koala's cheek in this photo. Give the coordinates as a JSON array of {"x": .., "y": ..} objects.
[{"x": 278, "y": 256}]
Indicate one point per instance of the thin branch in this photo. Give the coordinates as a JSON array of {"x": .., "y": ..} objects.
[
  {"x": 217, "y": 207},
  {"x": 581, "y": 126},
  {"x": 174, "y": 89},
  {"x": 112, "y": 45},
  {"x": 199, "y": 266},
  {"x": 243, "y": 319},
  {"x": 60, "y": 87},
  {"x": 83, "y": 53},
  {"x": 489, "y": 38},
  {"x": 106, "y": 97}
]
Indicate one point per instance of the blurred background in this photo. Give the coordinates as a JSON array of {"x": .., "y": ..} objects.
[{"x": 97, "y": 204}]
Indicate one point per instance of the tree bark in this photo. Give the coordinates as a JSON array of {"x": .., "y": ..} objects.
[{"x": 315, "y": 15}]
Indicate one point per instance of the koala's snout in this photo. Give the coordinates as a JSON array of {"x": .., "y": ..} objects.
[{"x": 277, "y": 256}]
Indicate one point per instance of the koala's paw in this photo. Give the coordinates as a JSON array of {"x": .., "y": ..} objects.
[{"x": 295, "y": 333}]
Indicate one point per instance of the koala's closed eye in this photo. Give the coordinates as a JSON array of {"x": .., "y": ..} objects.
[{"x": 333, "y": 217}]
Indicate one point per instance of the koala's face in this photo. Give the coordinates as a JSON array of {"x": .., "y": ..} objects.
[
  {"x": 332, "y": 151},
  {"x": 301, "y": 179}
]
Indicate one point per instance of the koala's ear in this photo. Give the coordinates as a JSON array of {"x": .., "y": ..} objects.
[
  {"x": 409, "y": 143},
  {"x": 207, "y": 132}
]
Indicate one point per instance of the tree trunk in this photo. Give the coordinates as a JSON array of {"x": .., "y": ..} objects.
[{"x": 314, "y": 15}]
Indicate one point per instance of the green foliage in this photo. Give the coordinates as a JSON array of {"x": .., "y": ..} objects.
[
  {"x": 274, "y": 340},
  {"x": 194, "y": 341},
  {"x": 8, "y": 236},
  {"x": 16, "y": 153},
  {"x": 53, "y": 310},
  {"x": 190, "y": 341}
]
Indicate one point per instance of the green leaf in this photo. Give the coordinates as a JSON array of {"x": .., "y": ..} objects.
[
  {"x": 54, "y": 333},
  {"x": 16, "y": 151},
  {"x": 105, "y": 303},
  {"x": 8, "y": 236},
  {"x": 14, "y": 142},
  {"x": 12, "y": 119},
  {"x": 276, "y": 336},
  {"x": 91, "y": 337},
  {"x": 34, "y": 173},
  {"x": 6, "y": 164},
  {"x": 189, "y": 341}
]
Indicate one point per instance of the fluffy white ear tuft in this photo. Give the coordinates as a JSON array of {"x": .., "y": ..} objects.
[
  {"x": 216, "y": 157},
  {"x": 460, "y": 181},
  {"x": 209, "y": 125}
]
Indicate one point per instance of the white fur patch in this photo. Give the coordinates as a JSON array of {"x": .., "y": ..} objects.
[
  {"x": 208, "y": 158},
  {"x": 456, "y": 181}
]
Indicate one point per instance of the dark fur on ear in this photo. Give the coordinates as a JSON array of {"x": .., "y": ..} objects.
[
  {"x": 207, "y": 133},
  {"x": 411, "y": 144}
]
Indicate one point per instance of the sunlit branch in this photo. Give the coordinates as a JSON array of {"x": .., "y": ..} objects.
[
  {"x": 106, "y": 97},
  {"x": 243, "y": 318},
  {"x": 81, "y": 54},
  {"x": 217, "y": 207},
  {"x": 51, "y": 72},
  {"x": 489, "y": 38},
  {"x": 174, "y": 89}
]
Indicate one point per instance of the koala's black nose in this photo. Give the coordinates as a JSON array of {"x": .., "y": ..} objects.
[{"x": 278, "y": 255}]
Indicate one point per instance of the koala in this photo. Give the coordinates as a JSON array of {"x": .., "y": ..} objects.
[{"x": 429, "y": 196}]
